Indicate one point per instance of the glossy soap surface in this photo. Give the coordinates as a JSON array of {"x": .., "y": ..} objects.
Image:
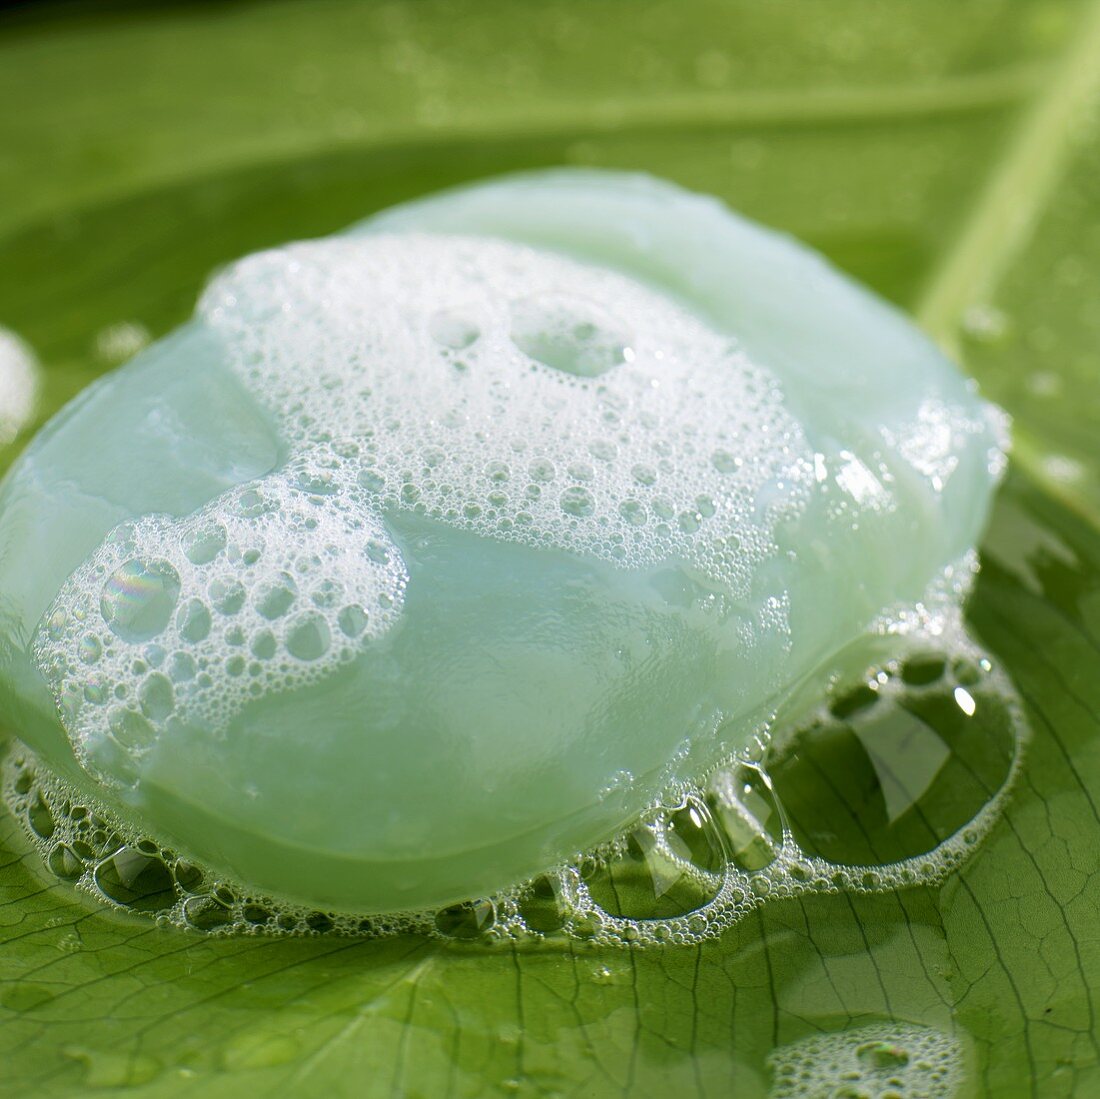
[{"x": 428, "y": 554}]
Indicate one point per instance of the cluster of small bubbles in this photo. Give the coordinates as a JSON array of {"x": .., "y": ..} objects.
[
  {"x": 519, "y": 394},
  {"x": 493, "y": 387},
  {"x": 935, "y": 617},
  {"x": 698, "y": 860},
  {"x": 131, "y": 873},
  {"x": 931, "y": 441},
  {"x": 880, "y": 1061},
  {"x": 264, "y": 590}
]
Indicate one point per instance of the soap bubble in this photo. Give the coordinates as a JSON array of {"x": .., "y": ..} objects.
[
  {"x": 570, "y": 334},
  {"x": 138, "y": 599}
]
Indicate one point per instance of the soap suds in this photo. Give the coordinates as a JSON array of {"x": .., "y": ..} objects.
[{"x": 512, "y": 393}]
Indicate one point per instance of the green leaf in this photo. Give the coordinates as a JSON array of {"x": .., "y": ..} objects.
[{"x": 947, "y": 153}]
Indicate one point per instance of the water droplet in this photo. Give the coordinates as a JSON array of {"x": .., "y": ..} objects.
[
  {"x": 131, "y": 729},
  {"x": 252, "y": 504},
  {"x": 138, "y": 599},
  {"x": 157, "y": 697},
  {"x": 725, "y": 462},
  {"x": 653, "y": 876},
  {"x": 966, "y": 672},
  {"x": 227, "y": 596},
  {"x": 55, "y": 626},
  {"x": 188, "y": 876},
  {"x": 319, "y": 922},
  {"x": 923, "y": 669},
  {"x": 352, "y": 620},
  {"x": 84, "y": 850},
  {"x": 693, "y": 835},
  {"x": 801, "y": 871},
  {"x": 760, "y": 885},
  {"x": 264, "y": 646},
  {"x": 181, "y": 668},
  {"x": 904, "y": 775},
  {"x": 587, "y": 926},
  {"x": 40, "y": 818},
  {"x": 744, "y": 804},
  {"x": 858, "y": 698}
]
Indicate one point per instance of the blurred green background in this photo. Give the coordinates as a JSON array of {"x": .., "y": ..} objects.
[{"x": 945, "y": 151}]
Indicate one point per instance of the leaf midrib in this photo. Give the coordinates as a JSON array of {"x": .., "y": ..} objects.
[
  {"x": 1007, "y": 213},
  {"x": 1007, "y": 210}
]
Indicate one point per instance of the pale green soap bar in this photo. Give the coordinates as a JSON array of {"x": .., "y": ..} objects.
[{"x": 428, "y": 553}]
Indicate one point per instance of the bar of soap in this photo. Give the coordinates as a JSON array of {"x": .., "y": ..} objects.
[{"x": 427, "y": 554}]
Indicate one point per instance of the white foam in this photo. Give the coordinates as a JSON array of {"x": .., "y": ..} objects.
[
  {"x": 518, "y": 394},
  {"x": 503, "y": 390},
  {"x": 268, "y": 587}
]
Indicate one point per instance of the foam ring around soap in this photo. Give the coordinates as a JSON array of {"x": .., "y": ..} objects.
[{"x": 712, "y": 851}]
